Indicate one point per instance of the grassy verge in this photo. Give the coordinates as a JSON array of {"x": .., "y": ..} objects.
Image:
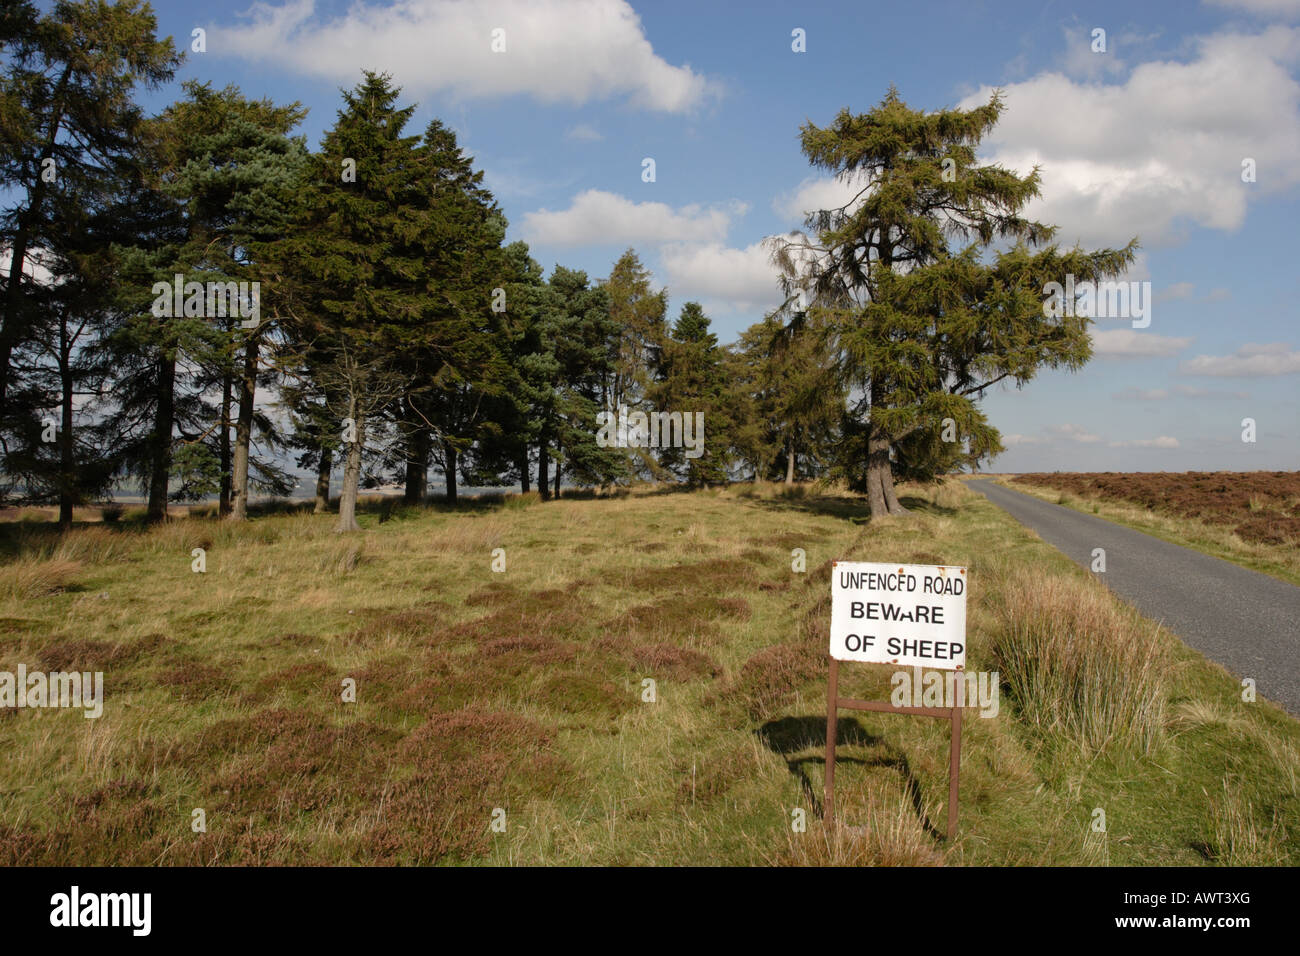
[
  {"x": 521, "y": 696},
  {"x": 1279, "y": 560}
]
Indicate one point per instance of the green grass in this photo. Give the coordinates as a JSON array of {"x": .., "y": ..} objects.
[{"x": 523, "y": 691}]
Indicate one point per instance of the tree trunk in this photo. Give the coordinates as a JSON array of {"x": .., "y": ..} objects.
[
  {"x": 223, "y": 499},
  {"x": 891, "y": 498},
  {"x": 323, "y": 481},
  {"x": 559, "y": 467},
  {"x": 10, "y": 334},
  {"x": 244, "y": 433},
  {"x": 449, "y": 454},
  {"x": 417, "y": 466},
  {"x": 351, "y": 474},
  {"x": 10, "y": 331},
  {"x": 161, "y": 440},
  {"x": 880, "y": 481},
  {"x": 525, "y": 483},
  {"x": 67, "y": 467},
  {"x": 789, "y": 463},
  {"x": 544, "y": 471}
]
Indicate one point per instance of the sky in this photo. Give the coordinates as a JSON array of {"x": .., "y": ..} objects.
[{"x": 1152, "y": 137}]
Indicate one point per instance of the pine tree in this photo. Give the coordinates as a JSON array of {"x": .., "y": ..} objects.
[
  {"x": 920, "y": 329},
  {"x": 639, "y": 315},
  {"x": 576, "y": 330},
  {"x": 455, "y": 355},
  {"x": 236, "y": 175},
  {"x": 352, "y": 274},
  {"x": 797, "y": 402},
  {"x": 510, "y": 423},
  {"x": 67, "y": 114},
  {"x": 692, "y": 374}
]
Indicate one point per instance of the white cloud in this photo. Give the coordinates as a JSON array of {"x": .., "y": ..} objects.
[
  {"x": 722, "y": 278},
  {"x": 814, "y": 193},
  {"x": 1186, "y": 292},
  {"x": 1073, "y": 433},
  {"x": 1179, "y": 290},
  {"x": 571, "y": 51},
  {"x": 1012, "y": 440},
  {"x": 1142, "y": 394},
  {"x": 1164, "y": 441},
  {"x": 1249, "y": 361},
  {"x": 1129, "y": 343},
  {"x": 1191, "y": 391},
  {"x": 585, "y": 133},
  {"x": 1164, "y": 148},
  {"x": 1081, "y": 60},
  {"x": 599, "y": 217}
]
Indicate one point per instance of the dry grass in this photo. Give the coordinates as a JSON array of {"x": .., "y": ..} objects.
[
  {"x": 522, "y": 692},
  {"x": 34, "y": 578},
  {"x": 1237, "y": 837},
  {"x": 890, "y": 835},
  {"x": 1077, "y": 664}
]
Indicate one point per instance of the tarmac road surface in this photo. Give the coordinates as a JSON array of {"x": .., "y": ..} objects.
[{"x": 1247, "y": 621}]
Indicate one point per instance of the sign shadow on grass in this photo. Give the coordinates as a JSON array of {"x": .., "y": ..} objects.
[{"x": 789, "y": 736}]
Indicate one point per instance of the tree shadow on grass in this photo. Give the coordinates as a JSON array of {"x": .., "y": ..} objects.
[
  {"x": 792, "y": 735},
  {"x": 921, "y": 506},
  {"x": 855, "y": 510}
]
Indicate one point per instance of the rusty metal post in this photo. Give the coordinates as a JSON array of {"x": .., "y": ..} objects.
[
  {"x": 954, "y": 771},
  {"x": 832, "y": 716}
]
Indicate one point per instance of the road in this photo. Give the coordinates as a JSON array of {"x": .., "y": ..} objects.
[{"x": 1245, "y": 620}]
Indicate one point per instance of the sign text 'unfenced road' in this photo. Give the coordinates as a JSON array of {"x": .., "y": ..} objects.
[{"x": 911, "y": 615}]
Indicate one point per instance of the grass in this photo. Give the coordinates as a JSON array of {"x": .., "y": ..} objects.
[
  {"x": 1080, "y": 665},
  {"x": 522, "y": 696},
  {"x": 1220, "y": 540}
]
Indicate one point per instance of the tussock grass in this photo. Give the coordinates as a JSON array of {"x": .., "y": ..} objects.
[
  {"x": 35, "y": 578},
  {"x": 1079, "y": 665}
]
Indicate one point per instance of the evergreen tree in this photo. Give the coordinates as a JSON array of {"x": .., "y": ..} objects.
[
  {"x": 797, "y": 402},
  {"x": 920, "y": 329},
  {"x": 67, "y": 116},
  {"x": 510, "y": 423},
  {"x": 237, "y": 172},
  {"x": 693, "y": 384},
  {"x": 353, "y": 279},
  {"x": 455, "y": 356},
  {"x": 639, "y": 315},
  {"x": 576, "y": 329}
]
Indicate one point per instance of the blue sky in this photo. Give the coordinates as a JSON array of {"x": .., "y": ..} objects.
[{"x": 1146, "y": 139}]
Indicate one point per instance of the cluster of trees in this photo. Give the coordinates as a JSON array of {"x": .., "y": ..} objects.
[{"x": 394, "y": 331}]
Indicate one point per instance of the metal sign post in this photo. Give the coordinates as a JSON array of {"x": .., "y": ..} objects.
[{"x": 917, "y": 616}]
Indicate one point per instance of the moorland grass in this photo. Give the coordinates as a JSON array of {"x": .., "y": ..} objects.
[{"x": 522, "y": 695}]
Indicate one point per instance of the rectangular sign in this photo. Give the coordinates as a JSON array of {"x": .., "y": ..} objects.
[{"x": 912, "y": 615}]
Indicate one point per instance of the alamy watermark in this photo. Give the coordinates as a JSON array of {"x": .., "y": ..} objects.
[
  {"x": 638, "y": 429},
  {"x": 133, "y": 911},
  {"x": 1099, "y": 300},
  {"x": 211, "y": 300},
  {"x": 946, "y": 689},
  {"x": 38, "y": 689}
]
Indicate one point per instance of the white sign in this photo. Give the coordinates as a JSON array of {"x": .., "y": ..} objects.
[{"x": 912, "y": 615}]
